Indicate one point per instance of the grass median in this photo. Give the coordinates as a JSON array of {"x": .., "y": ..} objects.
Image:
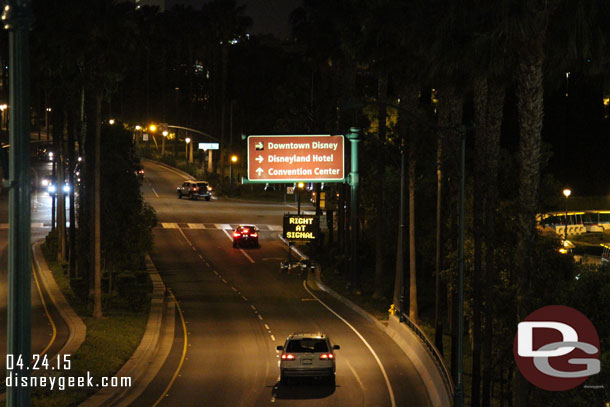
[{"x": 109, "y": 343}]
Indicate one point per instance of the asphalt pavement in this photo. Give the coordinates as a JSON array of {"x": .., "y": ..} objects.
[{"x": 236, "y": 306}]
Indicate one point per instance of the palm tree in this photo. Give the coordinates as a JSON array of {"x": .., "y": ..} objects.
[
  {"x": 529, "y": 35},
  {"x": 109, "y": 35},
  {"x": 225, "y": 22}
]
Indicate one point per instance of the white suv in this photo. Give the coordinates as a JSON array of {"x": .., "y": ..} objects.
[{"x": 307, "y": 355}]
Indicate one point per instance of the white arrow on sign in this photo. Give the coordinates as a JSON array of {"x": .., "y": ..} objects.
[
  {"x": 260, "y": 159},
  {"x": 259, "y": 171},
  {"x": 259, "y": 145}
]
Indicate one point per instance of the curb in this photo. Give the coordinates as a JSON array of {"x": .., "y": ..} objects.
[
  {"x": 76, "y": 327},
  {"x": 148, "y": 357}
]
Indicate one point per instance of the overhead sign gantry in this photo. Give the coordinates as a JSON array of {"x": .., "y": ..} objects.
[{"x": 301, "y": 158}]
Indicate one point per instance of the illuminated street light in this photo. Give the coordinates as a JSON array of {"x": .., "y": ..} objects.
[
  {"x": 111, "y": 121},
  {"x": 152, "y": 128},
  {"x": 138, "y": 127},
  {"x": 165, "y": 133},
  {"x": 566, "y": 192},
  {"x": 300, "y": 187},
  {"x": 233, "y": 160},
  {"x": 186, "y": 148}
]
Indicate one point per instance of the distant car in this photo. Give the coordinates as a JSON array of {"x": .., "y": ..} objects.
[
  {"x": 194, "y": 190},
  {"x": 245, "y": 235},
  {"x": 44, "y": 153},
  {"x": 51, "y": 184},
  {"x": 307, "y": 355},
  {"x": 140, "y": 173}
]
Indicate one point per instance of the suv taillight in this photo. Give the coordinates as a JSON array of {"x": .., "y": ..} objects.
[
  {"x": 327, "y": 356},
  {"x": 287, "y": 356},
  {"x": 236, "y": 234},
  {"x": 194, "y": 188},
  {"x": 253, "y": 235}
]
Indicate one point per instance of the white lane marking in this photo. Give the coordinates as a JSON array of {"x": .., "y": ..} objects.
[
  {"x": 245, "y": 299},
  {"x": 224, "y": 281},
  {"x": 223, "y": 226},
  {"x": 266, "y": 327},
  {"x": 253, "y": 307},
  {"x": 154, "y": 192},
  {"x": 196, "y": 225},
  {"x": 260, "y": 317},
  {"x": 275, "y": 228},
  {"x": 169, "y": 225},
  {"x": 355, "y": 375},
  {"x": 240, "y": 249},
  {"x": 385, "y": 375},
  {"x": 273, "y": 338},
  {"x": 234, "y": 289}
]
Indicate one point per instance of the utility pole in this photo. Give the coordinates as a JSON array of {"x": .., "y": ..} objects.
[
  {"x": 354, "y": 180},
  {"x": 17, "y": 16}
]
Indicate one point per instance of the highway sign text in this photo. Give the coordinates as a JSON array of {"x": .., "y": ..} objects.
[
  {"x": 301, "y": 228},
  {"x": 296, "y": 158}
]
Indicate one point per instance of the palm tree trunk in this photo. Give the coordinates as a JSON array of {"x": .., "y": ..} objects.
[
  {"x": 71, "y": 124},
  {"x": 438, "y": 322},
  {"x": 495, "y": 108},
  {"x": 380, "y": 230},
  {"x": 529, "y": 94},
  {"x": 480, "y": 106},
  {"x": 413, "y": 311},
  {"x": 97, "y": 255},
  {"x": 58, "y": 139}
]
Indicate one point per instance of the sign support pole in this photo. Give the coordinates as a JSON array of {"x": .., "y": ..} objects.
[
  {"x": 19, "y": 262},
  {"x": 354, "y": 181}
]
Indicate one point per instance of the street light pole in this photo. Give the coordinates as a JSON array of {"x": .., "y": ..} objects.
[
  {"x": 17, "y": 16},
  {"x": 566, "y": 192},
  {"x": 459, "y": 389},
  {"x": 354, "y": 138},
  {"x": 300, "y": 186}
]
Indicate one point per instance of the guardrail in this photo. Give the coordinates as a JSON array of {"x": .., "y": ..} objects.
[{"x": 436, "y": 356}]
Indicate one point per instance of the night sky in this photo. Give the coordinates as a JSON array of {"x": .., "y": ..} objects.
[{"x": 269, "y": 16}]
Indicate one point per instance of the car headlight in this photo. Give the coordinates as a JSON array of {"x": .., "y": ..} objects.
[{"x": 52, "y": 189}]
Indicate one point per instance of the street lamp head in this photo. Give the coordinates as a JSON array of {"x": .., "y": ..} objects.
[
  {"x": 111, "y": 121},
  {"x": 165, "y": 133},
  {"x": 187, "y": 140},
  {"x": 301, "y": 185},
  {"x": 152, "y": 128},
  {"x": 233, "y": 158},
  {"x": 138, "y": 127},
  {"x": 567, "y": 192}
]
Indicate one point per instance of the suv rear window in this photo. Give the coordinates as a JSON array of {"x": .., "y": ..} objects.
[
  {"x": 202, "y": 185},
  {"x": 306, "y": 345}
]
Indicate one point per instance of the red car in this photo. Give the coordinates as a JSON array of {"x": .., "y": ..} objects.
[{"x": 245, "y": 235}]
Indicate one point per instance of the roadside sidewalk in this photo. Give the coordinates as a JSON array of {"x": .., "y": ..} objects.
[
  {"x": 76, "y": 327},
  {"x": 150, "y": 354}
]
